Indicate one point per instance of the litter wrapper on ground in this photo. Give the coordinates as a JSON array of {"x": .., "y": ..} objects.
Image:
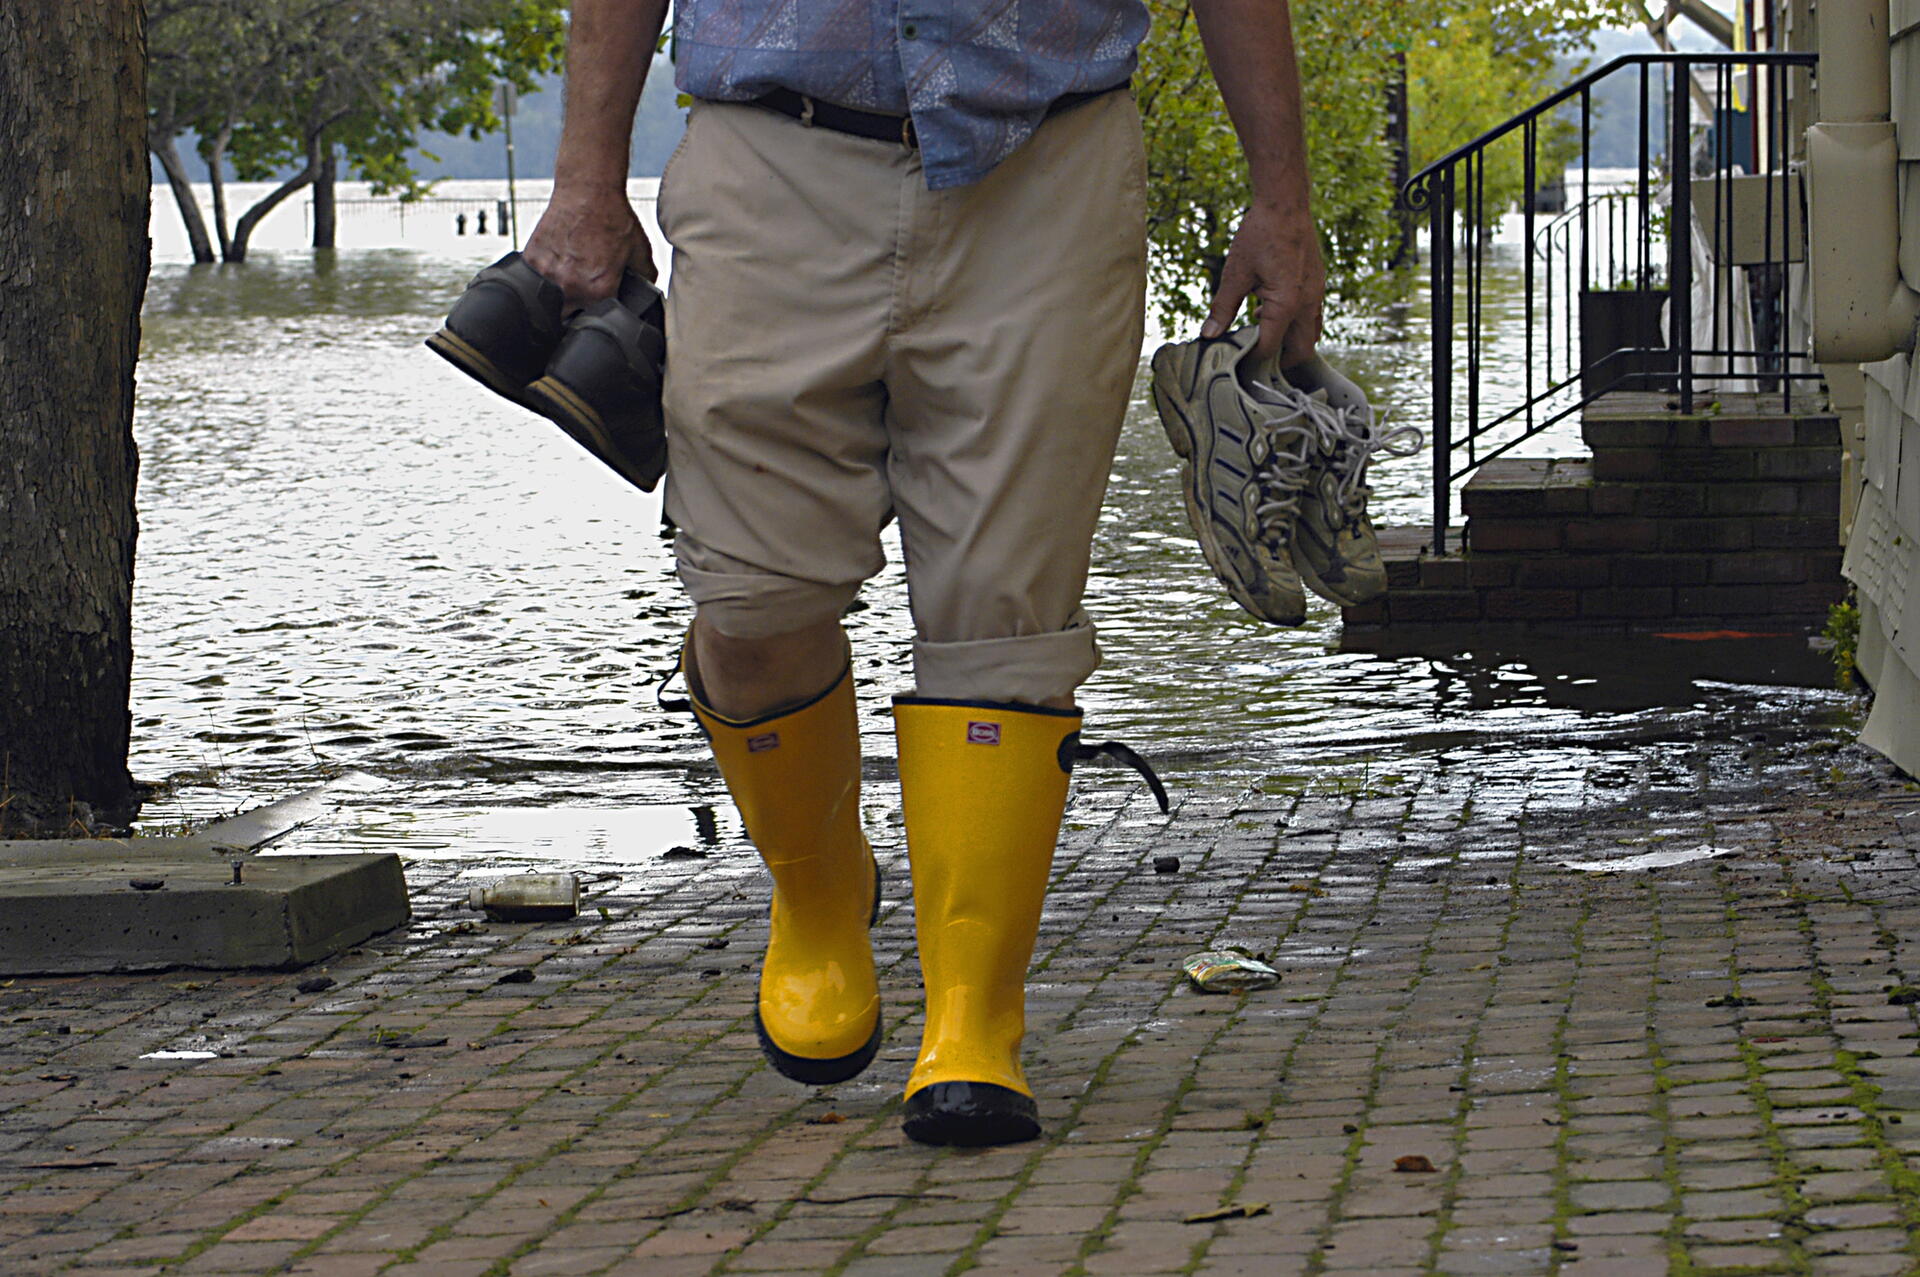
[{"x": 1228, "y": 971}]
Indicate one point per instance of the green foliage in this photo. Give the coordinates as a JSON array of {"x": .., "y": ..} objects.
[
  {"x": 1491, "y": 59},
  {"x": 1196, "y": 178},
  {"x": 1471, "y": 64},
  {"x": 1843, "y": 632},
  {"x": 273, "y": 84}
]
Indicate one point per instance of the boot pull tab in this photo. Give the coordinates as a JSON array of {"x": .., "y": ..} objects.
[
  {"x": 671, "y": 704},
  {"x": 1073, "y": 751}
]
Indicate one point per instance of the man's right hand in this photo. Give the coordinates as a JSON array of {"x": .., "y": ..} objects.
[{"x": 585, "y": 241}]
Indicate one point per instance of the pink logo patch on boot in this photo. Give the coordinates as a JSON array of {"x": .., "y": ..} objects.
[
  {"x": 983, "y": 733},
  {"x": 761, "y": 744}
]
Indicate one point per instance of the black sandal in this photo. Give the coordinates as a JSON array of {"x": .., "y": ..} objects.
[
  {"x": 598, "y": 377},
  {"x": 504, "y": 328},
  {"x": 603, "y": 383}
]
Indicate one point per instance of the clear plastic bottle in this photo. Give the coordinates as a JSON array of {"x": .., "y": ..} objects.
[{"x": 528, "y": 898}]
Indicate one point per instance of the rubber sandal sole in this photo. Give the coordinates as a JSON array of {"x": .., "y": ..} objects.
[
  {"x": 463, "y": 355},
  {"x": 560, "y": 405}
]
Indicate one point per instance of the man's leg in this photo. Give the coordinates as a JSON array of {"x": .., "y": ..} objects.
[
  {"x": 1008, "y": 388},
  {"x": 745, "y": 678},
  {"x": 777, "y": 316}
]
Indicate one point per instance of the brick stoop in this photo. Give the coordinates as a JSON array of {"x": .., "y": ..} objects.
[{"x": 1699, "y": 522}]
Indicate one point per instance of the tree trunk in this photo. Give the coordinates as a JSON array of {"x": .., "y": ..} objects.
[
  {"x": 176, "y": 170},
  {"x": 74, "y": 198},
  {"x": 214, "y": 151},
  {"x": 325, "y": 213},
  {"x": 243, "y": 229}
]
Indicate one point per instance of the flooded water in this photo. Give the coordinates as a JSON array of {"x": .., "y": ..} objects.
[{"x": 352, "y": 557}]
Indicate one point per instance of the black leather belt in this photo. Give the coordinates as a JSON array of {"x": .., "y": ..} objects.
[{"x": 877, "y": 125}]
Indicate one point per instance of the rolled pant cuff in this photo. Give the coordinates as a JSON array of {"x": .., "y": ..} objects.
[
  {"x": 1030, "y": 669},
  {"x": 758, "y": 605}
]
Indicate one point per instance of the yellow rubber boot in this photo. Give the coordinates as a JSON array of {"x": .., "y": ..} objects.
[
  {"x": 983, "y": 787},
  {"x": 796, "y": 778}
]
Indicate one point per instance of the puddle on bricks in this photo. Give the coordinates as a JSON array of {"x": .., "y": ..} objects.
[{"x": 353, "y": 558}]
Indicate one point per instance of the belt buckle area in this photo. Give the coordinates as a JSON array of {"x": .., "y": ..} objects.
[{"x": 908, "y": 138}]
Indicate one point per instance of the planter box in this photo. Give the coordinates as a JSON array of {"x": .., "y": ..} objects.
[{"x": 1621, "y": 343}]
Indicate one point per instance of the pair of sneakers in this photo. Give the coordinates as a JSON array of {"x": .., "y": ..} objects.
[
  {"x": 1274, "y": 466},
  {"x": 597, "y": 375}
]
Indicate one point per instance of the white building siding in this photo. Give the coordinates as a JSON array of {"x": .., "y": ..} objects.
[{"x": 1883, "y": 544}]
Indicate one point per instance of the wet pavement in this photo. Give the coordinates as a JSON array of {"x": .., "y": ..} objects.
[{"x": 1635, "y": 1017}]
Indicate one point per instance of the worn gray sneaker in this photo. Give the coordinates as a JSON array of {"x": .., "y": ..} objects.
[
  {"x": 1334, "y": 547},
  {"x": 1245, "y": 464}
]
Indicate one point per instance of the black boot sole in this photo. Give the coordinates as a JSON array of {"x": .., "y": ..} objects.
[
  {"x": 811, "y": 1070},
  {"x": 970, "y": 1115}
]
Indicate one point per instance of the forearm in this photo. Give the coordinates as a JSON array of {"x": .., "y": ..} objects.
[
  {"x": 610, "y": 46},
  {"x": 1250, "y": 48}
]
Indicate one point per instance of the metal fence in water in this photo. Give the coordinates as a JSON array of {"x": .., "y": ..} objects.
[{"x": 1680, "y": 280}]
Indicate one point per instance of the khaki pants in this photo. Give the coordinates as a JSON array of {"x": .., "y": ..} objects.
[{"x": 849, "y": 347}]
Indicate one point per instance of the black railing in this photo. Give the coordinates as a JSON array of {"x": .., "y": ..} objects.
[{"x": 1594, "y": 286}]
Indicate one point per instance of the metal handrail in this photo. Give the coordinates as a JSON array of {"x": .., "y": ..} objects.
[
  {"x": 1585, "y": 84},
  {"x": 1455, "y": 184}
]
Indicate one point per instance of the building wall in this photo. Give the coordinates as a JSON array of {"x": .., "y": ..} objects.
[{"x": 1883, "y": 546}]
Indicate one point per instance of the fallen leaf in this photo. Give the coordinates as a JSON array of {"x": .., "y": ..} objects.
[
  {"x": 523, "y": 975},
  {"x": 828, "y": 1118},
  {"x": 1413, "y": 1164},
  {"x": 315, "y": 984},
  {"x": 1239, "y": 1210}
]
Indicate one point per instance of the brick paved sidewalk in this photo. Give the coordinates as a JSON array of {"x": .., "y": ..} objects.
[{"x": 1708, "y": 1066}]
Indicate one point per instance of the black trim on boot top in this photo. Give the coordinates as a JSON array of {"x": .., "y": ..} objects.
[{"x": 971, "y": 1114}]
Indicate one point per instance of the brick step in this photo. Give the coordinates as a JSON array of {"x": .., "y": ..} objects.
[
  {"x": 1713, "y": 448},
  {"x": 1531, "y": 505},
  {"x": 1730, "y": 589},
  {"x": 1711, "y": 431}
]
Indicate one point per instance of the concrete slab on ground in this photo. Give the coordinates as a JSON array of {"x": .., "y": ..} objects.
[
  {"x": 73, "y": 906},
  {"x": 121, "y": 906}
]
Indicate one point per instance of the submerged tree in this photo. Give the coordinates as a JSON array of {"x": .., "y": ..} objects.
[
  {"x": 283, "y": 88},
  {"x": 74, "y": 195}
]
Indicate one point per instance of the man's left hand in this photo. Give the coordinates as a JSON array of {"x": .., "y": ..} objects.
[{"x": 1274, "y": 257}]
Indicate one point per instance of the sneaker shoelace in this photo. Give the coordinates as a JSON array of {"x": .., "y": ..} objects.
[
  {"x": 1351, "y": 437},
  {"x": 1283, "y": 451}
]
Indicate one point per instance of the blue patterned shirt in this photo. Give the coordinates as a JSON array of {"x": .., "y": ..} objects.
[{"x": 976, "y": 77}]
